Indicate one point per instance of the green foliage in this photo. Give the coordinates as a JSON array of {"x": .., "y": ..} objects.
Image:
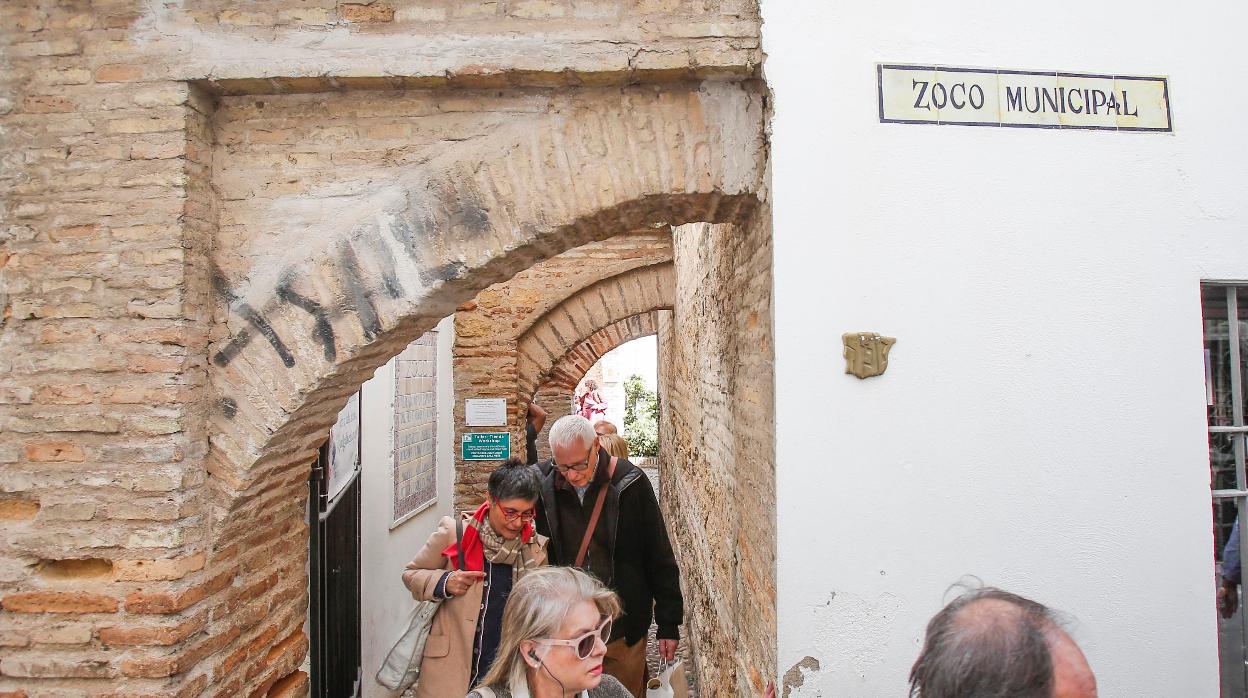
[{"x": 641, "y": 418}]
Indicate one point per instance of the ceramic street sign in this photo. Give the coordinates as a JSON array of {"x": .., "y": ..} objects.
[{"x": 913, "y": 94}]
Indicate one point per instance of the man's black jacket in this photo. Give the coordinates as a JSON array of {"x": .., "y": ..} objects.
[{"x": 644, "y": 570}]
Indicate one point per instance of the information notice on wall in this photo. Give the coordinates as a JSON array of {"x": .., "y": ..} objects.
[
  {"x": 925, "y": 94},
  {"x": 415, "y": 428},
  {"x": 344, "y": 447},
  {"x": 485, "y": 446},
  {"x": 485, "y": 412}
]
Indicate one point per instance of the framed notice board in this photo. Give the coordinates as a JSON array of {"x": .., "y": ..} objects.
[{"x": 415, "y": 428}]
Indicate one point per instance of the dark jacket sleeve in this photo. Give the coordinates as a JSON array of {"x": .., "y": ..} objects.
[{"x": 660, "y": 564}]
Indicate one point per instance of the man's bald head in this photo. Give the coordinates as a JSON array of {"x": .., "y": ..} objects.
[{"x": 990, "y": 643}]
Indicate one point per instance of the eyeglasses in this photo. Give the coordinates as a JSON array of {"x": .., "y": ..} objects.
[
  {"x": 513, "y": 515},
  {"x": 578, "y": 467},
  {"x": 585, "y": 644}
]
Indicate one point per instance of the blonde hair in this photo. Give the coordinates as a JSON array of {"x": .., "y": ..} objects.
[
  {"x": 536, "y": 609},
  {"x": 614, "y": 444}
]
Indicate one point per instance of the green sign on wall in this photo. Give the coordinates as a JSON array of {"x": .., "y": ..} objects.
[{"x": 485, "y": 446}]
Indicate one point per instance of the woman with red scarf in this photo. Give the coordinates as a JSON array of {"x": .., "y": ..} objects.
[{"x": 499, "y": 546}]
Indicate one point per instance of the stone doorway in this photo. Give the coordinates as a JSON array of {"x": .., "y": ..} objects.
[{"x": 277, "y": 236}]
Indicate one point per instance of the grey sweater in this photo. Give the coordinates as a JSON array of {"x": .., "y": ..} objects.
[{"x": 609, "y": 688}]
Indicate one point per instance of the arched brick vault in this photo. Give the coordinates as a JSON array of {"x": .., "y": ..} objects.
[
  {"x": 520, "y": 157},
  {"x": 312, "y": 302},
  {"x": 488, "y": 327},
  {"x": 574, "y": 320},
  {"x": 577, "y": 322},
  {"x": 570, "y": 368},
  {"x": 556, "y": 391},
  {"x": 303, "y": 337}
]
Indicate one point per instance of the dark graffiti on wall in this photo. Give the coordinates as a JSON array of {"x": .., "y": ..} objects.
[{"x": 357, "y": 295}]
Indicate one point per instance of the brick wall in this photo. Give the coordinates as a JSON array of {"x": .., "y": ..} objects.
[
  {"x": 717, "y": 448},
  {"x": 510, "y": 348},
  {"x": 558, "y": 391},
  {"x": 192, "y": 283}
]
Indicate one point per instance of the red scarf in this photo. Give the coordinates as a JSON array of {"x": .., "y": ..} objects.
[{"x": 474, "y": 550}]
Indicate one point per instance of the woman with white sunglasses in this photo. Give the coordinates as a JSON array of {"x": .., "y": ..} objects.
[{"x": 555, "y": 632}]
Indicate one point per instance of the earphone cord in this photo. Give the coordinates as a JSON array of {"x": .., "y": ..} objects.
[{"x": 548, "y": 671}]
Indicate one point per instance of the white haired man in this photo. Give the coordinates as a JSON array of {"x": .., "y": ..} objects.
[{"x": 602, "y": 516}]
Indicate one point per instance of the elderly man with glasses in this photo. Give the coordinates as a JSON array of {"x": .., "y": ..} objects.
[{"x": 602, "y": 516}]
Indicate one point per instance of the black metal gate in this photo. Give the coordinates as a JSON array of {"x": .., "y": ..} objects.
[{"x": 334, "y": 559}]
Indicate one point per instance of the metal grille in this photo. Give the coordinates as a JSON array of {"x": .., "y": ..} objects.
[
  {"x": 1225, "y": 332},
  {"x": 334, "y": 603}
]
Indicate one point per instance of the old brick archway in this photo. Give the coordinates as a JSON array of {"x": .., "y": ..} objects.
[
  {"x": 303, "y": 336},
  {"x": 575, "y": 319},
  {"x": 579, "y": 318},
  {"x": 557, "y": 388},
  {"x": 240, "y": 212}
]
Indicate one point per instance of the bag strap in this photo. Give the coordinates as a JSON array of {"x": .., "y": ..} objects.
[
  {"x": 459, "y": 541},
  {"x": 593, "y": 519}
]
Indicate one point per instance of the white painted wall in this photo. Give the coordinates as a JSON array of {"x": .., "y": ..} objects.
[
  {"x": 1042, "y": 424},
  {"x": 385, "y": 601}
]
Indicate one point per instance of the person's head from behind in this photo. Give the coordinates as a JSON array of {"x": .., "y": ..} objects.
[
  {"x": 575, "y": 448},
  {"x": 614, "y": 445},
  {"x": 590, "y": 385},
  {"x": 602, "y": 427},
  {"x": 989, "y": 643},
  {"x": 513, "y": 488},
  {"x": 555, "y": 629}
]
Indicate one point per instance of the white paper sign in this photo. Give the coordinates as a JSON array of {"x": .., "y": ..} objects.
[{"x": 485, "y": 412}]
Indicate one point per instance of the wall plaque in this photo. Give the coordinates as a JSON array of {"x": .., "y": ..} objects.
[
  {"x": 485, "y": 412},
  {"x": 415, "y": 467},
  {"x": 914, "y": 94},
  {"x": 866, "y": 353},
  {"x": 485, "y": 446}
]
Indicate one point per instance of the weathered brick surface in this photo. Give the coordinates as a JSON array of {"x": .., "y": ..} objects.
[
  {"x": 717, "y": 448},
  {"x": 558, "y": 390},
  {"x": 489, "y": 329},
  {"x": 294, "y": 189}
]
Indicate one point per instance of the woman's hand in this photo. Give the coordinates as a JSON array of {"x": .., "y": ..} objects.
[{"x": 461, "y": 581}]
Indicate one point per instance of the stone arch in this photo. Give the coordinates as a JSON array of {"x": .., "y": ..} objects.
[
  {"x": 555, "y": 392},
  {"x": 302, "y": 339},
  {"x": 588, "y": 315},
  {"x": 576, "y": 362},
  {"x": 292, "y": 344},
  {"x": 551, "y": 336}
]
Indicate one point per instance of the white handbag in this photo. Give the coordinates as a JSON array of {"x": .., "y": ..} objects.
[
  {"x": 401, "y": 667},
  {"x": 670, "y": 683}
]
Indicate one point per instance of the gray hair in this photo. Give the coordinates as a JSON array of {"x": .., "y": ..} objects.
[
  {"x": 987, "y": 643},
  {"x": 571, "y": 430},
  {"x": 515, "y": 479},
  {"x": 536, "y": 609}
]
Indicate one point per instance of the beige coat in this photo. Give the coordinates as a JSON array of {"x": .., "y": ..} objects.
[{"x": 447, "y": 664}]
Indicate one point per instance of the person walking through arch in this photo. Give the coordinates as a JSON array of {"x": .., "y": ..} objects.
[
  {"x": 602, "y": 516},
  {"x": 592, "y": 405},
  {"x": 499, "y": 547}
]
